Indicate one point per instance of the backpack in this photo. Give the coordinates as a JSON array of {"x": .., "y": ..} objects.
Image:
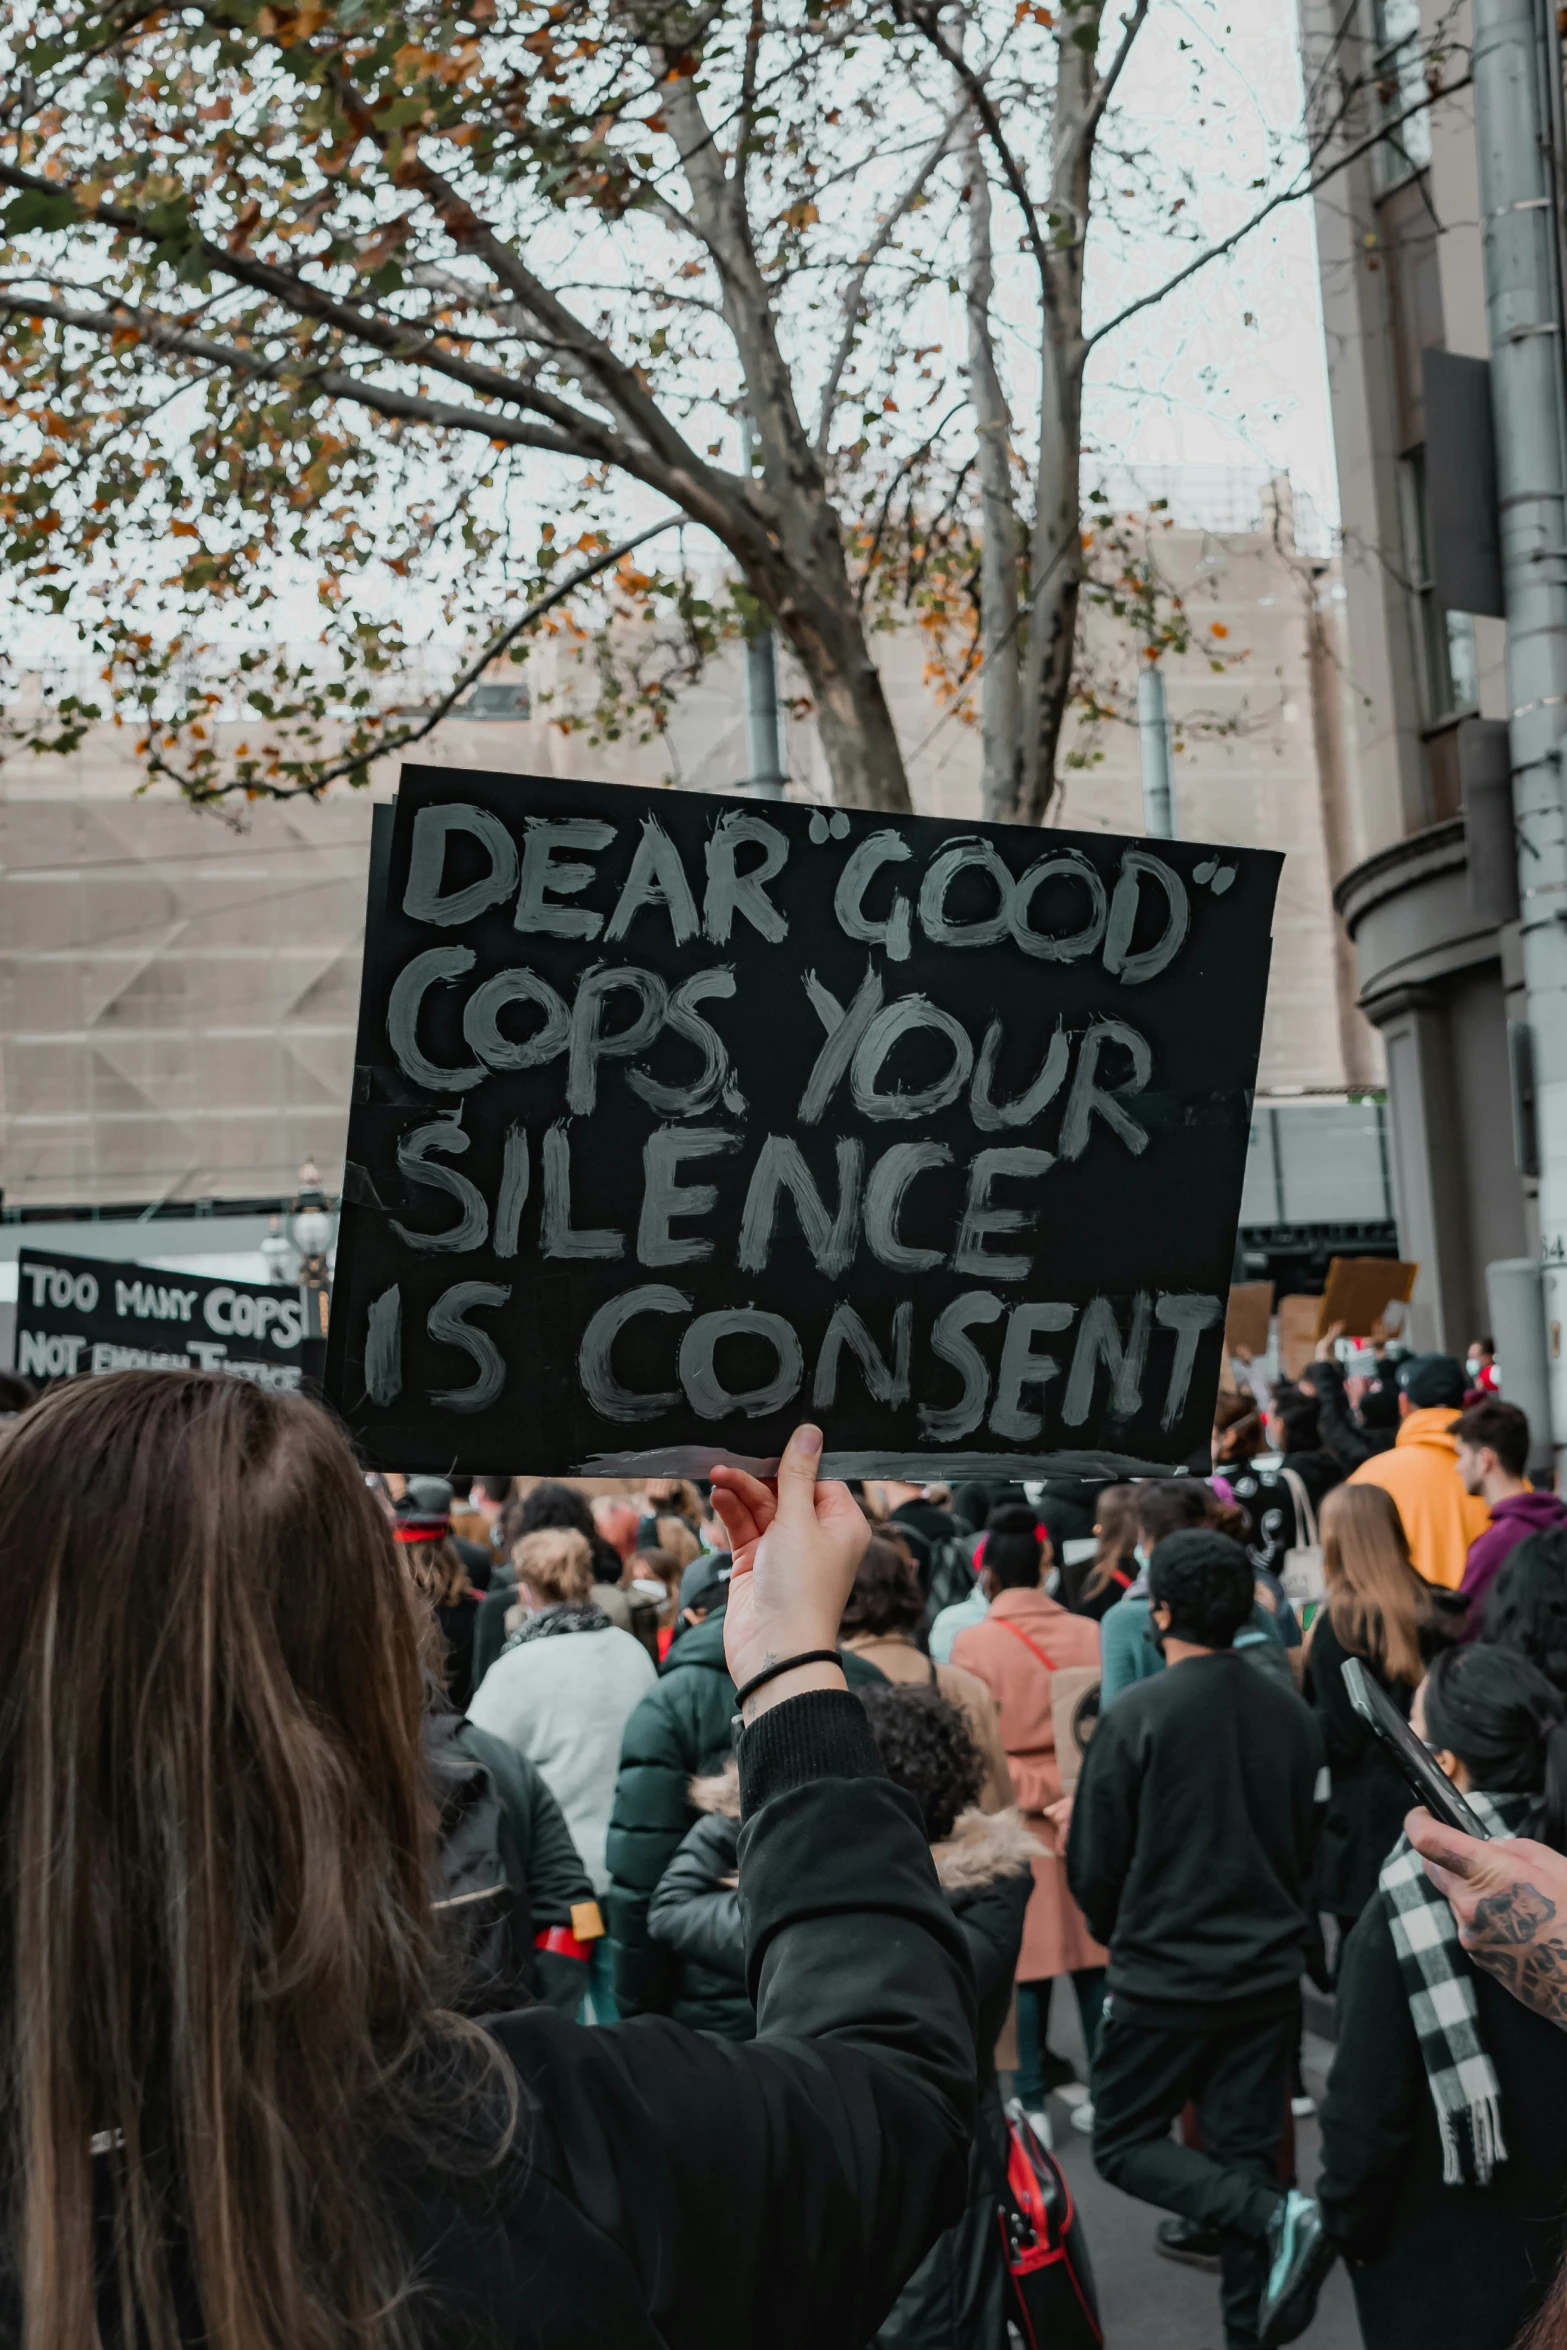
[
  {"x": 481, "y": 1903},
  {"x": 951, "y": 1576},
  {"x": 1051, "y": 2286}
]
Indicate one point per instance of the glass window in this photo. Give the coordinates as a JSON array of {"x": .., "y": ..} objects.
[
  {"x": 1449, "y": 681},
  {"x": 1399, "y": 65}
]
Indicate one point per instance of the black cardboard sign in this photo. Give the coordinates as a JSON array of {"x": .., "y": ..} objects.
[
  {"x": 84, "y": 1316},
  {"x": 679, "y": 1118}
]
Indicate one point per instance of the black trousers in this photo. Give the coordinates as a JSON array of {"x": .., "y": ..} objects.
[{"x": 1237, "y": 2076}]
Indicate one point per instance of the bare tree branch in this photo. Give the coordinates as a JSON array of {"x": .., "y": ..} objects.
[
  {"x": 865, "y": 264},
  {"x": 924, "y": 21},
  {"x": 1307, "y": 187},
  {"x": 1104, "y": 88}
]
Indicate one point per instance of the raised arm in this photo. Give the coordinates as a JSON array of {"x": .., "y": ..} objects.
[{"x": 781, "y": 2192}]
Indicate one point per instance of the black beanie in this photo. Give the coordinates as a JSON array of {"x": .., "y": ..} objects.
[{"x": 1434, "y": 1383}]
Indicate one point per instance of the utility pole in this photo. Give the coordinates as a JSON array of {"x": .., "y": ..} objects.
[
  {"x": 763, "y": 719},
  {"x": 1517, "y": 103},
  {"x": 1153, "y": 734}
]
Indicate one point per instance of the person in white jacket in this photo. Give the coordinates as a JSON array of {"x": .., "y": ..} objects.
[{"x": 560, "y": 1692}]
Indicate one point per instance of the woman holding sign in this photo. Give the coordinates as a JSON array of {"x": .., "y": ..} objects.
[{"x": 238, "y": 2107}]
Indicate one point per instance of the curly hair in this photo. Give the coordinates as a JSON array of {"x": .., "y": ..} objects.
[
  {"x": 1205, "y": 1581},
  {"x": 927, "y": 1749},
  {"x": 886, "y": 1595}
]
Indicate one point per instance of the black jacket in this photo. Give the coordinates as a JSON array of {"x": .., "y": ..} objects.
[
  {"x": 493, "y": 1794},
  {"x": 1368, "y": 1794},
  {"x": 1273, "y": 1522},
  {"x": 695, "y": 1915},
  {"x": 1436, "y": 2267},
  {"x": 1191, "y": 1839},
  {"x": 677, "y": 2192},
  {"x": 1342, "y": 1434},
  {"x": 1117, "y": 1584},
  {"x": 681, "y": 1730},
  {"x": 667, "y": 2191},
  {"x": 489, "y": 1625},
  {"x": 1067, "y": 1508},
  {"x": 957, "y": 2297},
  {"x": 457, "y": 1621}
]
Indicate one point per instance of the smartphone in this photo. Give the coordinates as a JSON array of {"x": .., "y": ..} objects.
[{"x": 1433, "y": 1786}]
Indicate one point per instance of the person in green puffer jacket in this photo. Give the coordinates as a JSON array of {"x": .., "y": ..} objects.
[{"x": 680, "y": 1731}]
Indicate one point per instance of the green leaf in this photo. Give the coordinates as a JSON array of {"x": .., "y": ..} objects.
[{"x": 38, "y": 209}]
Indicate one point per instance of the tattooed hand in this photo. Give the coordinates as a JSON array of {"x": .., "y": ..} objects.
[{"x": 1510, "y": 1899}]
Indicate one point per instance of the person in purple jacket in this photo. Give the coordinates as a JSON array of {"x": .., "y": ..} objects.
[{"x": 1493, "y": 1445}]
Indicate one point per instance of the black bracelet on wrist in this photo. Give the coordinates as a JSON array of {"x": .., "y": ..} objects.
[{"x": 786, "y": 1664}]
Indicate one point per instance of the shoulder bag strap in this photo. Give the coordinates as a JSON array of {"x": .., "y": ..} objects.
[
  {"x": 1018, "y": 1633},
  {"x": 1305, "y": 1515}
]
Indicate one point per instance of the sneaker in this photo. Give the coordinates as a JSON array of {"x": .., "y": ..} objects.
[
  {"x": 1300, "y": 2253},
  {"x": 1039, "y": 2123},
  {"x": 1185, "y": 2240},
  {"x": 1081, "y": 2117},
  {"x": 1303, "y": 2107}
]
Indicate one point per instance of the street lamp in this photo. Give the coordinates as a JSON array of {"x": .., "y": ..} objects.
[
  {"x": 279, "y": 1257},
  {"x": 310, "y": 1230}
]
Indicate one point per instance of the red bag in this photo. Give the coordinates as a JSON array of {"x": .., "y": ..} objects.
[{"x": 1042, "y": 2244}]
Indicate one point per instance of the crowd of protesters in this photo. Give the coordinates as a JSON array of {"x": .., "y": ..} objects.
[{"x": 325, "y": 1766}]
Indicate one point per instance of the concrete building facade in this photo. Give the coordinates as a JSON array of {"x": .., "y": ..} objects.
[{"x": 1400, "y": 258}]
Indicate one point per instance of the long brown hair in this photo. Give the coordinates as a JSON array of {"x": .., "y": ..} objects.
[
  {"x": 437, "y": 1570},
  {"x": 1115, "y": 1513},
  {"x": 1377, "y": 1604},
  {"x": 218, "y": 1973}
]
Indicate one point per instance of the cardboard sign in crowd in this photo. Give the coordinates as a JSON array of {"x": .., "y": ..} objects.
[
  {"x": 84, "y": 1316},
  {"x": 678, "y": 1119}
]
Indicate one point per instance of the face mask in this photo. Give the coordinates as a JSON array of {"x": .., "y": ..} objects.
[
  {"x": 1140, "y": 1555},
  {"x": 1473, "y": 1365}
]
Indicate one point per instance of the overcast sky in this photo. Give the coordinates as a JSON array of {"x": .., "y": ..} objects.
[{"x": 1191, "y": 382}]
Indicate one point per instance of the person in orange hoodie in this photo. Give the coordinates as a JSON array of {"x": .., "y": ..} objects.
[
  {"x": 1015, "y": 1651},
  {"x": 1421, "y": 1472}
]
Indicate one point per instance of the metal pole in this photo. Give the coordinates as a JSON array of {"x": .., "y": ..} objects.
[
  {"x": 1514, "y": 49},
  {"x": 1153, "y": 730},
  {"x": 763, "y": 720}
]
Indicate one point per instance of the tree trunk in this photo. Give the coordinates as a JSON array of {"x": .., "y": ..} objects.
[
  {"x": 1000, "y": 675},
  {"x": 1056, "y": 580},
  {"x": 858, "y": 738},
  {"x": 1056, "y": 564}
]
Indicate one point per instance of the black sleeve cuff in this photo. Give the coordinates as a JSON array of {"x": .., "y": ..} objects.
[{"x": 820, "y": 1735}]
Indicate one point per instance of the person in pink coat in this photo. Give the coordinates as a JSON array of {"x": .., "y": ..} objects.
[{"x": 1015, "y": 1652}]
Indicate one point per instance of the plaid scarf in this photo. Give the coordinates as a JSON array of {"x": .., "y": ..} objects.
[
  {"x": 1440, "y": 1989},
  {"x": 567, "y": 1615}
]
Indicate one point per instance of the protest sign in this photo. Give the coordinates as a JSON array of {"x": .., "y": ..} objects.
[
  {"x": 80, "y": 1316},
  {"x": 679, "y": 1118},
  {"x": 1360, "y": 1290}
]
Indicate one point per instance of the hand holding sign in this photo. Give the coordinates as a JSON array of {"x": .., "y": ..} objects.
[
  {"x": 673, "y": 1119},
  {"x": 796, "y": 1546}
]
